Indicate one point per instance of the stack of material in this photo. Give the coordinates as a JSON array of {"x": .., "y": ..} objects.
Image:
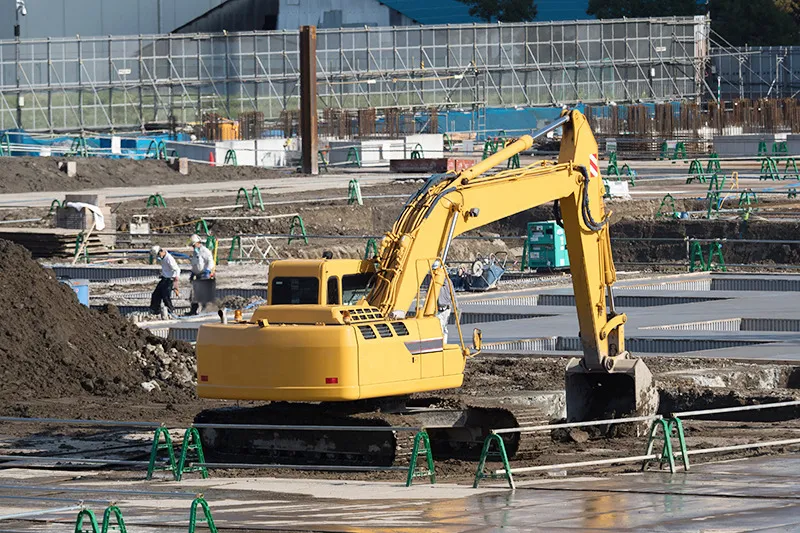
[
  {"x": 51, "y": 242},
  {"x": 83, "y": 220}
]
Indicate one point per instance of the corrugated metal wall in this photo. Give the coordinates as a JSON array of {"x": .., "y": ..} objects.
[{"x": 757, "y": 72}]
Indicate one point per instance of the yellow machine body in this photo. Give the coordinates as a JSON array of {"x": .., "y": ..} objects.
[{"x": 323, "y": 352}]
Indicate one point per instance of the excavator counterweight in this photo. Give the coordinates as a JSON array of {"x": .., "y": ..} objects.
[{"x": 345, "y": 331}]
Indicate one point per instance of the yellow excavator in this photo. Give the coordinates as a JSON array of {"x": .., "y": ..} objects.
[{"x": 344, "y": 341}]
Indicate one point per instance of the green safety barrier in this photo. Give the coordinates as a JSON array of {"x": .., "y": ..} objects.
[
  {"x": 155, "y": 200},
  {"x": 207, "y": 518},
  {"x": 762, "y": 148},
  {"x": 372, "y": 249},
  {"x": 322, "y": 160},
  {"x": 628, "y": 171},
  {"x": 161, "y": 463},
  {"x": 673, "y": 213},
  {"x": 78, "y": 148},
  {"x": 82, "y": 515},
  {"x": 492, "y": 146},
  {"x": 53, "y": 206},
  {"x": 236, "y": 243},
  {"x": 422, "y": 446},
  {"x": 5, "y": 145},
  {"x": 696, "y": 172},
  {"x": 201, "y": 227},
  {"x": 242, "y": 192},
  {"x": 211, "y": 244},
  {"x": 613, "y": 167},
  {"x": 448, "y": 142},
  {"x": 354, "y": 156},
  {"x": 80, "y": 247},
  {"x": 192, "y": 450},
  {"x": 230, "y": 158},
  {"x": 789, "y": 168},
  {"x": 747, "y": 198},
  {"x": 769, "y": 169},
  {"x": 697, "y": 262},
  {"x": 156, "y": 150},
  {"x": 714, "y": 183},
  {"x": 714, "y": 203},
  {"x": 667, "y": 425},
  {"x": 779, "y": 147},
  {"x": 112, "y": 511},
  {"x": 297, "y": 223},
  {"x": 354, "y": 193},
  {"x": 486, "y": 452},
  {"x": 417, "y": 152},
  {"x": 713, "y": 164}
]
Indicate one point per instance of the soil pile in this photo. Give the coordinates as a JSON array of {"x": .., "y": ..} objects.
[
  {"x": 53, "y": 347},
  {"x": 26, "y": 174}
]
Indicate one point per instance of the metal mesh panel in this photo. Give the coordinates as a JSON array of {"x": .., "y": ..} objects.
[{"x": 126, "y": 82}]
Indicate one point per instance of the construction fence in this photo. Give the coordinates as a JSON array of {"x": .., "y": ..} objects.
[{"x": 140, "y": 82}]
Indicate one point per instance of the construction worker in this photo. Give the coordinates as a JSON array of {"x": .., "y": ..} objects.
[
  {"x": 204, "y": 284},
  {"x": 170, "y": 271}
]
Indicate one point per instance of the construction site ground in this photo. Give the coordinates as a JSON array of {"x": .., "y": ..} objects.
[{"x": 711, "y": 340}]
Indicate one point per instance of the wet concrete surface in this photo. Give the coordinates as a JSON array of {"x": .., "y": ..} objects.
[{"x": 756, "y": 494}]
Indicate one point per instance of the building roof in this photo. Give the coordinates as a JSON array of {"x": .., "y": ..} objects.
[{"x": 433, "y": 11}]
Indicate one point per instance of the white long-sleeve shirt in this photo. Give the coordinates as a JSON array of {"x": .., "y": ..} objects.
[
  {"x": 169, "y": 267},
  {"x": 202, "y": 259}
]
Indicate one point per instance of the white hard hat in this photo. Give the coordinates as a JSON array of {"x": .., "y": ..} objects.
[
  {"x": 155, "y": 249},
  {"x": 194, "y": 239}
]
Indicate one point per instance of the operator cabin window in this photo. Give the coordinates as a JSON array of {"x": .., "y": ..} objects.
[
  {"x": 333, "y": 290},
  {"x": 295, "y": 291},
  {"x": 356, "y": 286}
]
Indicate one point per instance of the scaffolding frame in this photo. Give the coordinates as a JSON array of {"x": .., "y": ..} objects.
[{"x": 125, "y": 83}]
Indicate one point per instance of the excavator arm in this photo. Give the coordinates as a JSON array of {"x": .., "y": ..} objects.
[{"x": 449, "y": 205}]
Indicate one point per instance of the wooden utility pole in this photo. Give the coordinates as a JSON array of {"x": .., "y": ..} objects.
[{"x": 308, "y": 99}]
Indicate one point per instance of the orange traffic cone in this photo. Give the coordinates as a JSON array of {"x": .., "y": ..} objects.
[{"x": 212, "y": 159}]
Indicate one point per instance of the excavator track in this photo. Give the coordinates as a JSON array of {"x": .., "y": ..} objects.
[{"x": 456, "y": 431}]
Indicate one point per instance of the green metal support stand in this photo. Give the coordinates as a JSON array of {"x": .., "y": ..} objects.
[
  {"x": 714, "y": 201},
  {"x": 448, "y": 142},
  {"x": 236, "y": 243},
  {"x": 667, "y": 425},
  {"x": 762, "y": 148},
  {"x": 697, "y": 262},
  {"x": 201, "y": 227},
  {"x": 155, "y": 200},
  {"x": 715, "y": 250},
  {"x": 792, "y": 193},
  {"x": 487, "y": 452},
  {"x": 79, "y": 148},
  {"x": 80, "y": 247},
  {"x": 371, "y": 251},
  {"x": 667, "y": 201},
  {"x": 113, "y": 510},
  {"x": 157, "y": 463},
  {"x": 297, "y": 223},
  {"x": 354, "y": 193},
  {"x": 696, "y": 172},
  {"x": 191, "y": 450},
  {"x": 84, "y": 514},
  {"x": 207, "y": 518},
  {"x": 354, "y": 156},
  {"x": 422, "y": 446},
  {"x": 5, "y": 145},
  {"x": 769, "y": 170},
  {"x": 242, "y": 193},
  {"x": 417, "y": 152},
  {"x": 713, "y": 164},
  {"x": 323, "y": 161},
  {"x": 53, "y": 206},
  {"x": 230, "y": 158}
]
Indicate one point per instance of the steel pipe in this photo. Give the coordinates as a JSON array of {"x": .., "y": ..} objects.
[
  {"x": 608, "y": 421},
  {"x": 687, "y": 414},
  {"x": 741, "y": 447},
  {"x": 613, "y": 460},
  {"x": 76, "y": 422},
  {"x": 342, "y": 468},
  {"x": 309, "y": 428},
  {"x": 39, "y": 513},
  {"x": 35, "y": 459}
]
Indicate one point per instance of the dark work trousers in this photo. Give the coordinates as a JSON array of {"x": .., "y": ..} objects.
[{"x": 162, "y": 293}]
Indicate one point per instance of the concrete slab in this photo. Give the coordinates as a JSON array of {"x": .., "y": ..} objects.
[{"x": 760, "y": 494}]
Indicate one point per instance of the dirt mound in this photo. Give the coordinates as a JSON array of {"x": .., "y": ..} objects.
[
  {"x": 26, "y": 174},
  {"x": 53, "y": 347}
]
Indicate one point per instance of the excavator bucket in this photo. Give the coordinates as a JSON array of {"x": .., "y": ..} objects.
[{"x": 624, "y": 391}]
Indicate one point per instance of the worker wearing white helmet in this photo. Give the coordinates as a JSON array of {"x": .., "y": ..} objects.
[
  {"x": 170, "y": 271},
  {"x": 204, "y": 285}
]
